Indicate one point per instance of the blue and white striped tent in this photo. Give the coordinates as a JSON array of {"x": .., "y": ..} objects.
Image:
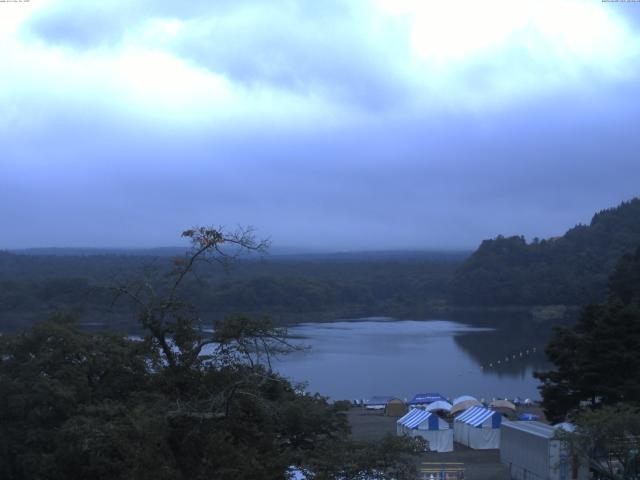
[
  {"x": 419, "y": 418},
  {"x": 478, "y": 427},
  {"x": 420, "y": 423},
  {"x": 476, "y": 416}
]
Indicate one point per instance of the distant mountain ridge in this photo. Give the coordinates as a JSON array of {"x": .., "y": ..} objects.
[
  {"x": 91, "y": 251},
  {"x": 281, "y": 254},
  {"x": 571, "y": 270}
]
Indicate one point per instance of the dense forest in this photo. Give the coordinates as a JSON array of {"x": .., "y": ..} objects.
[
  {"x": 506, "y": 271},
  {"x": 569, "y": 270},
  {"x": 288, "y": 288}
]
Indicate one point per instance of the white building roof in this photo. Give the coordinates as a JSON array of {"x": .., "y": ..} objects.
[{"x": 538, "y": 429}]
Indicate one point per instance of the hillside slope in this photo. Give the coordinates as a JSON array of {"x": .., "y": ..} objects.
[{"x": 571, "y": 269}]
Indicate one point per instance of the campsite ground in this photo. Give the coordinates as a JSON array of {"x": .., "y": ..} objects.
[{"x": 478, "y": 464}]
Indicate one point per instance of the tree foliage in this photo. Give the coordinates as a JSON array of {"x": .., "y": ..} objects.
[
  {"x": 609, "y": 439},
  {"x": 597, "y": 360},
  {"x": 182, "y": 402},
  {"x": 285, "y": 288},
  {"x": 570, "y": 270}
]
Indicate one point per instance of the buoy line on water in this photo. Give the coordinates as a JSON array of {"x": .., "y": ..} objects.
[{"x": 512, "y": 357}]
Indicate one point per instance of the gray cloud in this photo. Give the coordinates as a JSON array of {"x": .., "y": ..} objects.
[
  {"x": 93, "y": 167},
  {"x": 310, "y": 49},
  {"x": 308, "y": 63},
  {"x": 84, "y": 25},
  {"x": 421, "y": 182}
]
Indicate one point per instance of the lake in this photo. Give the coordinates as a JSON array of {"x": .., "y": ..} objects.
[{"x": 357, "y": 359}]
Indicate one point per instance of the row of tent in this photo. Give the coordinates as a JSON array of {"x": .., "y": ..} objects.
[
  {"x": 530, "y": 450},
  {"x": 431, "y": 402},
  {"x": 477, "y": 428}
]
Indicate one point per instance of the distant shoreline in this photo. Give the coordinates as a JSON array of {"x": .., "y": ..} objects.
[{"x": 494, "y": 316}]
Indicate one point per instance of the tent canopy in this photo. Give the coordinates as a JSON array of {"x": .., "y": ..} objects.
[
  {"x": 465, "y": 404},
  {"x": 427, "y": 425},
  {"x": 425, "y": 398},
  {"x": 395, "y": 408},
  {"x": 503, "y": 404},
  {"x": 463, "y": 398},
  {"x": 420, "y": 418},
  {"x": 477, "y": 416},
  {"x": 439, "y": 405}
]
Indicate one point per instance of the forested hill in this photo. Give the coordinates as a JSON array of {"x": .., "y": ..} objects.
[
  {"x": 571, "y": 270},
  {"x": 288, "y": 287}
]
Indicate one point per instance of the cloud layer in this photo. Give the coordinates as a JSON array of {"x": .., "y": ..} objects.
[{"x": 348, "y": 124}]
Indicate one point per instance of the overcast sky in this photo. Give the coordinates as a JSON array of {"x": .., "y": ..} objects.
[{"x": 332, "y": 124}]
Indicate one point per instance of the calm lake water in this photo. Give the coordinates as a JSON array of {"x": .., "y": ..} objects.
[{"x": 379, "y": 356}]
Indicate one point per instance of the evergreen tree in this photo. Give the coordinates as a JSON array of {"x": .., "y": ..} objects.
[
  {"x": 598, "y": 360},
  {"x": 570, "y": 270}
]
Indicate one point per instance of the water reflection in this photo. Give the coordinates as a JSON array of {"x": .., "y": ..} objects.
[
  {"x": 357, "y": 359},
  {"x": 514, "y": 346},
  {"x": 506, "y": 353}
]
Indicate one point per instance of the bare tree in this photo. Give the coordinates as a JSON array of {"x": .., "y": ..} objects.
[{"x": 173, "y": 325}]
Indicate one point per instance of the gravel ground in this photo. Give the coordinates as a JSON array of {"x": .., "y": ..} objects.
[
  {"x": 478, "y": 464},
  {"x": 370, "y": 425}
]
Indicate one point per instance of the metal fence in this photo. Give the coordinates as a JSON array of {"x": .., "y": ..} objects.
[{"x": 442, "y": 471}]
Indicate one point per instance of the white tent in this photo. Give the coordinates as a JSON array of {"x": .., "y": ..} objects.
[
  {"x": 441, "y": 405},
  {"x": 478, "y": 428},
  {"x": 463, "y": 398},
  {"x": 502, "y": 404},
  {"x": 420, "y": 423}
]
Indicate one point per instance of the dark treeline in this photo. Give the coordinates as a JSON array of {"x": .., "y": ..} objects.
[
  {"x": 287, "y": 288},
  {"x": 570, "y": 270}
]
